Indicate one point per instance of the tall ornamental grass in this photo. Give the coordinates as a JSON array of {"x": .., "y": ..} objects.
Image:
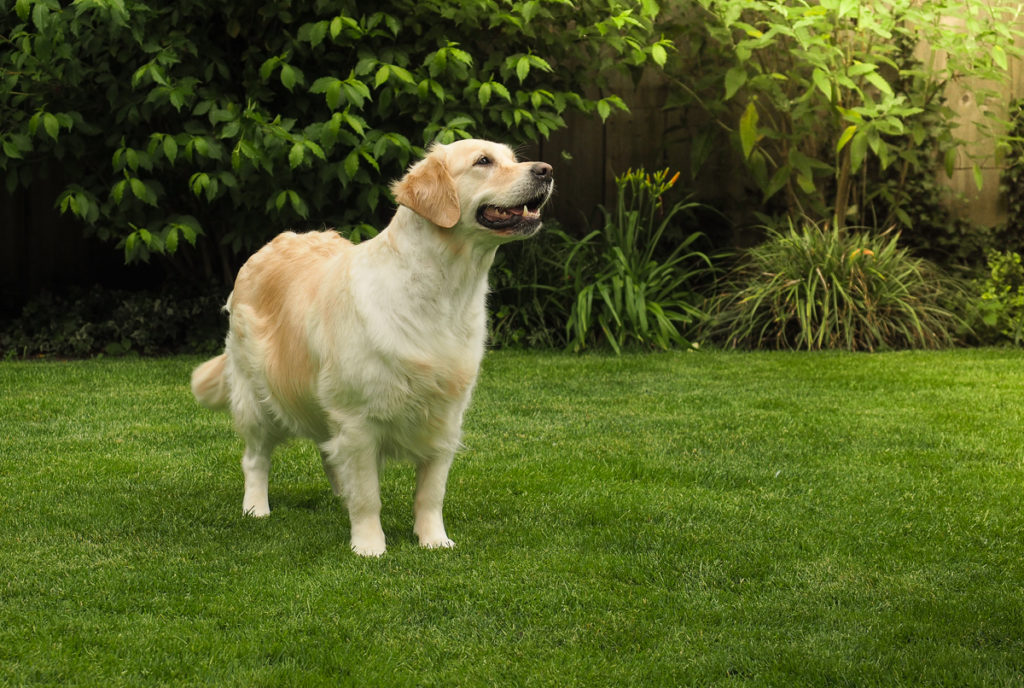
[
  {"x": 811, "y": 287},
  {"x": 634, "y": 279}
]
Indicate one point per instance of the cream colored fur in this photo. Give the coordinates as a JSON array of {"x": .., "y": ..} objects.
[{"x": 372, "y": 350}]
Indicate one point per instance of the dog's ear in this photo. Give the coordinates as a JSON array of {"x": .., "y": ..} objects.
[{"x": 429, "y": 191}]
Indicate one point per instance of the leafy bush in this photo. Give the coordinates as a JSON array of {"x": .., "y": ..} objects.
[
  {"x": 114, "y": 323},
  {"x": 1002, "y": 297},
  {"x": 826, "y": 288},
  {"x": 218, "y": 124},
  {"x": 820, "y": 98},
  {"x": 631, "y": 282}
]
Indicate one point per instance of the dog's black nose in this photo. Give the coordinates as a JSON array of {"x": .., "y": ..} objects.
[{"x": 541, "y": 170}]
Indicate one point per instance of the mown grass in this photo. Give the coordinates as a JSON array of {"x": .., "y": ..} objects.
[{"x": 679, "y": 519}]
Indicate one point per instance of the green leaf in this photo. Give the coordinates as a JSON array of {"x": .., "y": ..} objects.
[
  {"x": 267, "y": 68},
  {"x": 51, "y": 125},
  {"x": 876, "y": 80},
  {"x": 231, "y": 130},
  {"x": 298, "y": 205},
  {"x": 189, "y": 228},
  {"x": 314, "y": 33},
  {"x": 523, "y": 68},
  {"x": 170, "y": 147},
  {"x": 403, "y": 74},
  {"x": 748, "y": 129},
  {"x": 356, "y": 124},
  {"x": 659, "y": 55},
  {"x": 199, "y": 182},
  {"x": 978, "y": 180},
  {"x": 462, "y": 56},
  {"x": 290, "y": 76},
  {"x": 201, "y": 146},
  {"x": 734, "y": 80},
  {"x": 501, "y": 90},
  {"x": 949, "y": 161},
  {"x": 315, "y": 148},
  {"x": 370, "y": 159},
  {"x": 296, "y": 155},
  {"x": 823, "y": 83},
  {"x": 484, "y": 94},
  {"x": 778, "y": 181},
  {"x": 138, "y": 188},
  {"x": 382, "y": 76},
  {"x": 858, "y": 149},
  {"x": 351, "y": 164},
  {"x": 117, "y": 192},
  {"x": 845, "y": 137},
  {"x": 171, "y": 240},
  {"x": 806, "y": 183},
  {"x": 999, "y": 57},
  {"x": 280, "y": 200},
  {"x": 860, "y": 68}
]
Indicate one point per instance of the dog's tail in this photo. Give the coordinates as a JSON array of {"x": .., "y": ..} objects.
[{"x": 210, "y": 385}]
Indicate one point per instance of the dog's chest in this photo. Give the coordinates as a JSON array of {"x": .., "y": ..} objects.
[{"x": 416, "y": 403}]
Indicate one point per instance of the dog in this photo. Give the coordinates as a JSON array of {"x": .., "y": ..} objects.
[{"x": 372, "y": 350}]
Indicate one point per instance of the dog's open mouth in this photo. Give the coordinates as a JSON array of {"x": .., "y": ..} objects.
[{"x": 518, "y": 218}]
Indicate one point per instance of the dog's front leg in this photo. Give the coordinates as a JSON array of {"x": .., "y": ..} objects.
[
  {"x": 351, "y": 461},
  {"x": 431, "y": 479}
]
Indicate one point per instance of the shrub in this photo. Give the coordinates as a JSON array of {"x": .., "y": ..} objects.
[
  {"x": 1001, "y": 305},
  {"x": 218, "y": 124},
  {"x": 114, "y": 323},
  {"x": 632, "y": 283},
  {"x": 825, "y": 288},
  {"x": 530, "y": 297},
  {"x": 824, "y": 100}
]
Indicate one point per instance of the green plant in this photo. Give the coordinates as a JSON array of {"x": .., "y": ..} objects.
[
  {"x": 217, "y": 124},
  {"x": 628, "y": 287},
  {"x": 1011, "y": 187},
  {"x": 1002, "y": 297},
  {"x": 819, "y": 98},
  {"x": 530, "y": 297},
  {"x": 810, "y": 287},
  {"x": 113, "y": 322}
]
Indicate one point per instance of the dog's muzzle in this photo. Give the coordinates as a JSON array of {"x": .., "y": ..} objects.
[{"x": 521, "y": 218}]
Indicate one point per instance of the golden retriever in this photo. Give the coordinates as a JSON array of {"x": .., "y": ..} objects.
[{"x": 372, "y": 349}]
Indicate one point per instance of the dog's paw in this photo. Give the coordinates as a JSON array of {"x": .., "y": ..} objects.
[
  {"x": 255, "y": 511},
  {"x": 368, "y": 540},
  {"x": 369, "y": 550},
  {"x": 437, "y": 543}
]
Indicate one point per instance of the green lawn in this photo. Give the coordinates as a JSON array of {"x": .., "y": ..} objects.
[{"x": 685, "y": 519}]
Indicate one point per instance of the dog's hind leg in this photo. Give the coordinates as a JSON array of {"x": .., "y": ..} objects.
[
  {"x": 352, "y": 462},
  {"x": 261, "y": 435}
]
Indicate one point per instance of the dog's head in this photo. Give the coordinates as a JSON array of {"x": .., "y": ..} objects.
[{"x": 477, "y": 185}]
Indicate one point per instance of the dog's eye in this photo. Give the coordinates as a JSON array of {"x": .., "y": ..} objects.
[{"x": 483, "y": 160}]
